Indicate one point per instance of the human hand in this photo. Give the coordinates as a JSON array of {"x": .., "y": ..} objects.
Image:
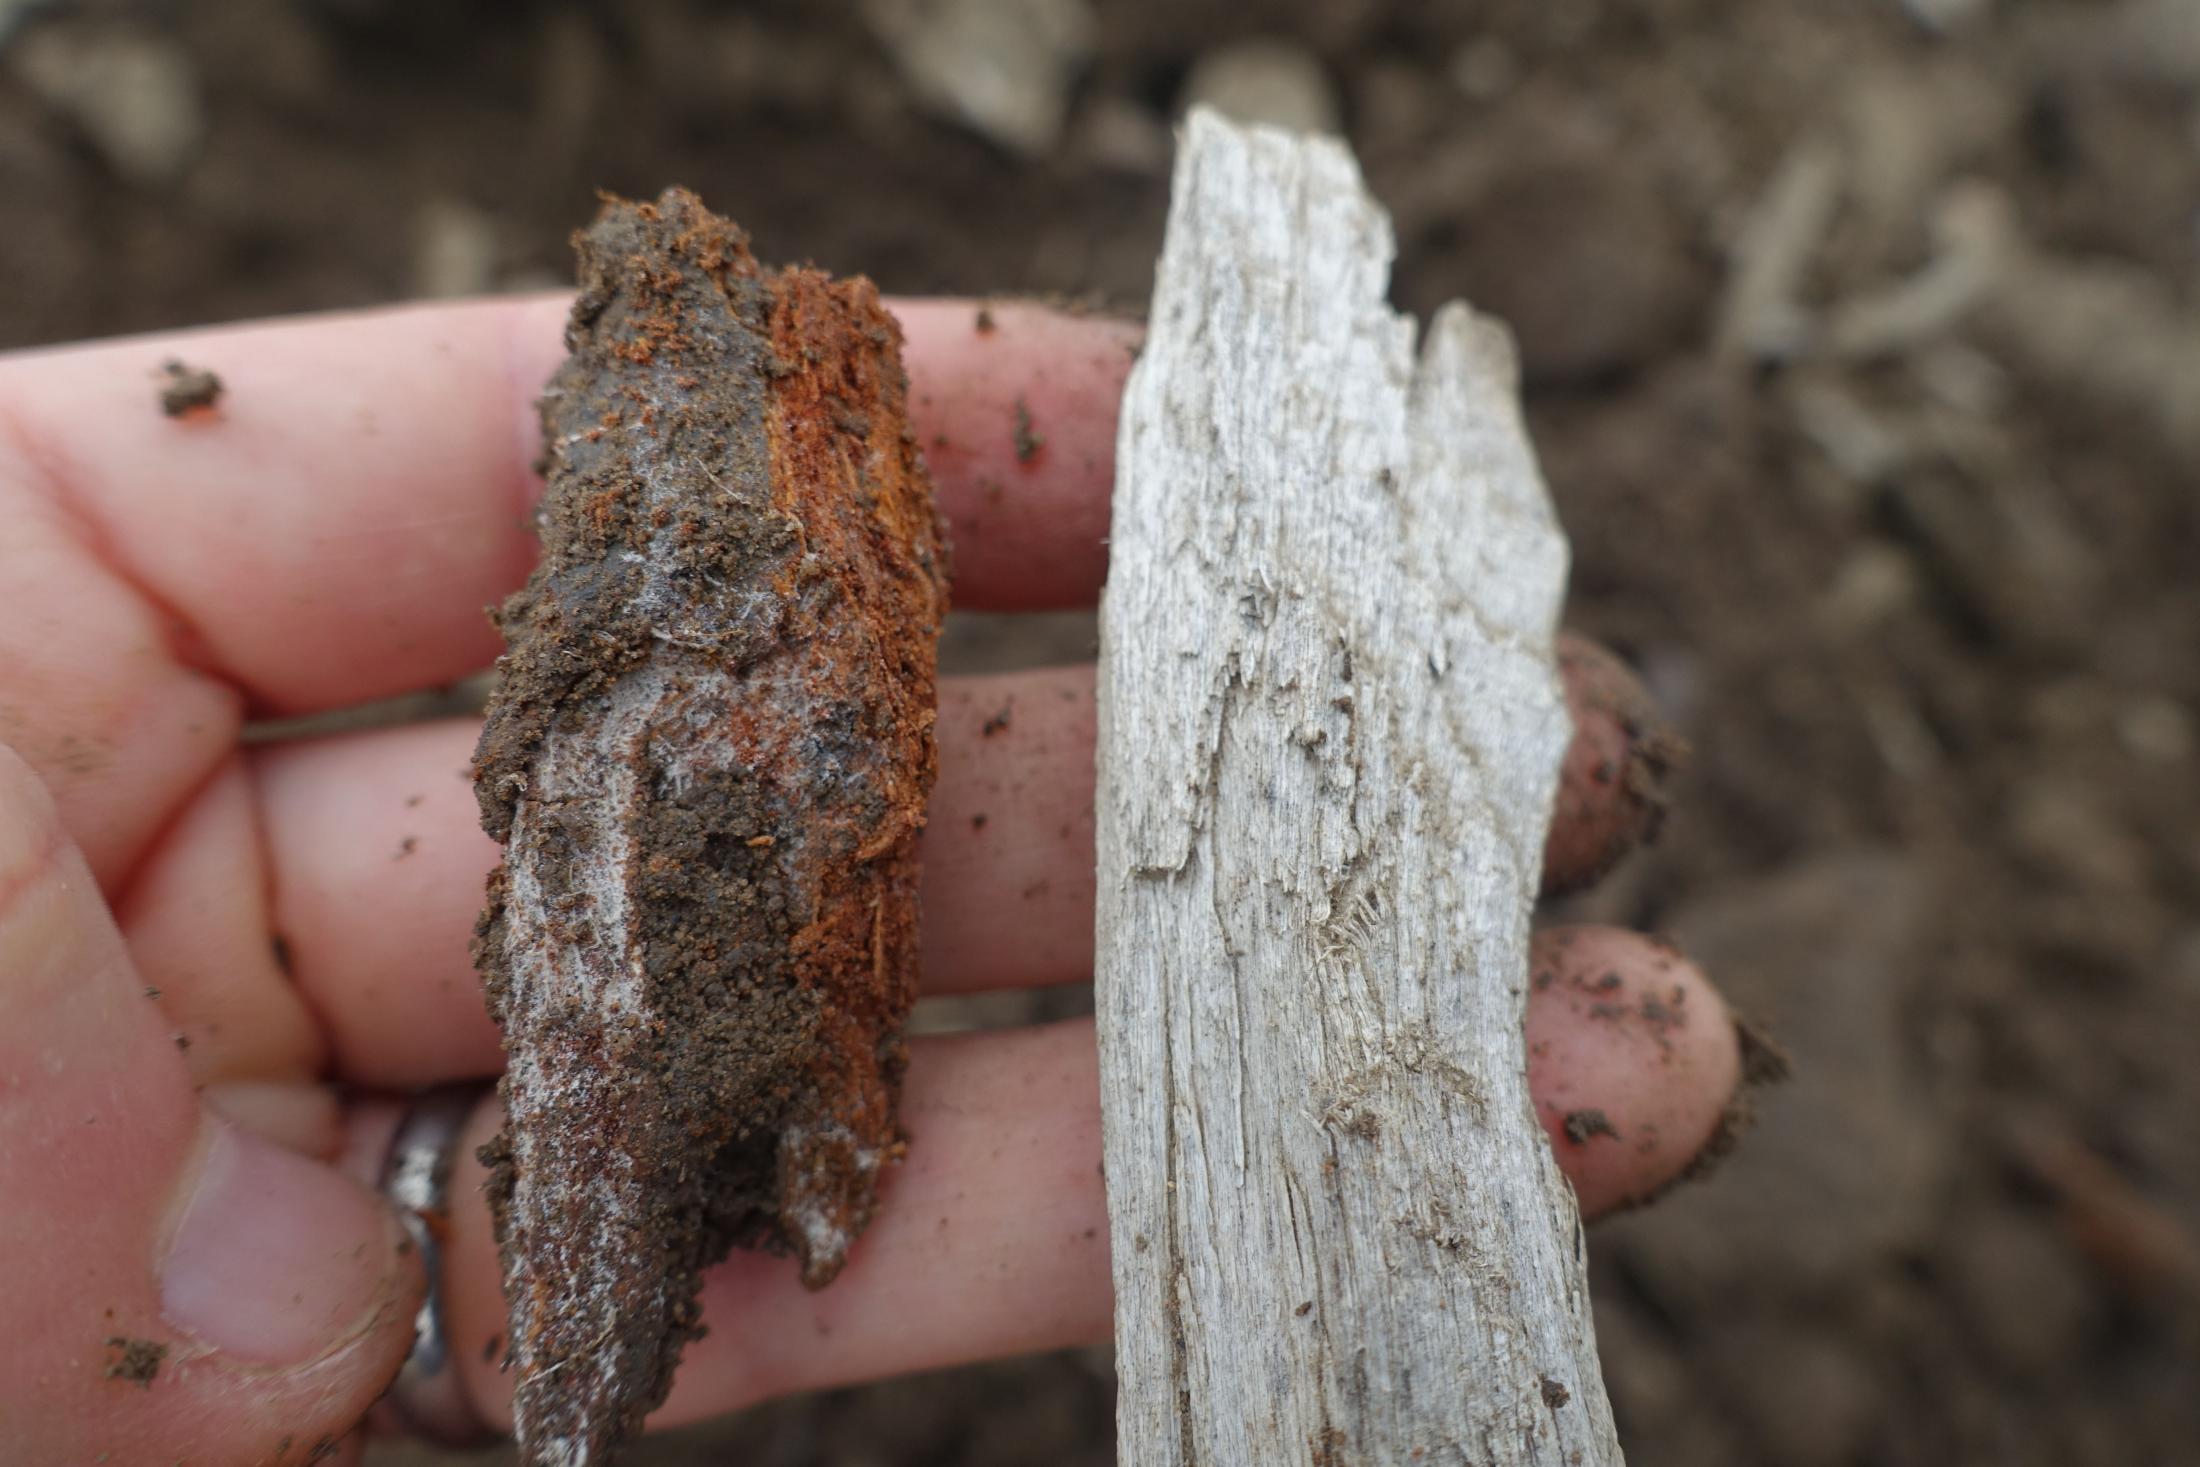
[{"x": 209, "y": 951}]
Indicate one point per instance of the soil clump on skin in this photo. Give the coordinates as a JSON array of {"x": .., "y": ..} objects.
[
  {"x": 186, "y": 390},
  {"x": 135, "y": 1360}
]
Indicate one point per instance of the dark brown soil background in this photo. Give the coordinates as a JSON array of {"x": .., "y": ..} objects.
[{"x": 1864, "y": 359}]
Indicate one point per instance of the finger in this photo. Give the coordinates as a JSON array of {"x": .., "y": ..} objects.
[
  {"x": 1611, "y": 787},
  {"x": 333, "y": 529},
  {"x": 993, "y": 1233},
  {"x": 379, "y": 863},
  {"x": 196, "y": 1292},
  {"x": 993, "y": 1242},
  {"x": 97, "y": 691},
  {"x": 1008, "y": 874},
  {"x": 380, "y": 860},
  {"x": 1633, "y": 1061},
  {"x": 197, "y": 923},
  {"x": 1017, "y": 421}
]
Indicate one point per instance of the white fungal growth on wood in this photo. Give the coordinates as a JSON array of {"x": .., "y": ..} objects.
[
  {"x": 577, "y": 953},
  {"x": 1330, "y": 733}
]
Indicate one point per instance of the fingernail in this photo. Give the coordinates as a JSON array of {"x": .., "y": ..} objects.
[{"x": 275, "y": 1258}]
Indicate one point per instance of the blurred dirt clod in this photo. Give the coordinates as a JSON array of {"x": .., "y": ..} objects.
[
  {"x": 134, "y": 94},
  {"x": 2022, "y": 1288},
  {"x": 1760, "y": 316},
  {"x": 454, "y": 250},
  {"x": 2158, "y": 38},
  {"x": 2108, "y": 331},
  {"x": 1266, "y": 79},
  {"x": 1839, "y": 1173},
  {"x": 14, "y": 12},
  {"x": 1000, "y": 67},
  {"x": 1920, "y": 307},
  {"x": 1484, "y": 69},
  {"x": 2005, "y": 555},
  {"x": 1119, "y": 134},
  {"x": 1945, "y": 15},
  {"x": 2148, "y": 1252},
  {"x": 1584, "y": 263},
  {"x": 1806, "y": 1393}
]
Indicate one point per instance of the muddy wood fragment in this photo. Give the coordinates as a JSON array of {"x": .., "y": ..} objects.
[{"x": 707, "y": 756}]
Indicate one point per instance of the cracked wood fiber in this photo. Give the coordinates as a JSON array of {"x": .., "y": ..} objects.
[
  {"x": 1330, "y": 731},
  {"x": 708, "y": 756}
]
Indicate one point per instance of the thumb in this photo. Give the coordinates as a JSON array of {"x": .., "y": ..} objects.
[{"x": 178, "y": 1288}]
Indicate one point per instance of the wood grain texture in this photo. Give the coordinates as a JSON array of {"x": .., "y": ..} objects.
[{"x": 1329, "y": 736}]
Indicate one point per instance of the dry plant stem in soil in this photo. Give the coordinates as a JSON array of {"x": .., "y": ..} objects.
[{"x": 708, "y": 757}]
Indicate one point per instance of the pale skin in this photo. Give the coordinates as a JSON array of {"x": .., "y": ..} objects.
[{"x": 179, "y": 1145}]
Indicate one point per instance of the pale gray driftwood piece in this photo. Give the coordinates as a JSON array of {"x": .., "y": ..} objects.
[{"x": 1330, "y": 732}]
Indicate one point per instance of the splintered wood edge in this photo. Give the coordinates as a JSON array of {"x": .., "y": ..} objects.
[{"x": 1330, "y": 733}]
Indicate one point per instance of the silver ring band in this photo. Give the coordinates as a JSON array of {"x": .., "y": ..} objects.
[{"x": 427, "y": 1399}]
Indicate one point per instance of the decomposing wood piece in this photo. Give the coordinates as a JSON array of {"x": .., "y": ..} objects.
[
  {"x": 1329, "y": 736},
  {"x": 707, "y": 755}
]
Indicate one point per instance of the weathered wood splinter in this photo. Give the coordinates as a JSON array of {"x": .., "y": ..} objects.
[
  {"x": 708, "y": 756},
  {"x": 1329, "y": 735}
]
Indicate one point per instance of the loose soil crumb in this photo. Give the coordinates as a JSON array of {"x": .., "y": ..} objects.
[
  {"x": 135, "y": 1360},
  {"x": 1764, "y": 1062},
  {"x": 1028, "y": 441},
  {"x": 187, "y": 389},
  {"x": 1583, "y": 1124}
]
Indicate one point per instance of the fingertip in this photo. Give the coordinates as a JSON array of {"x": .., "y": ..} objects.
[
  {"x": 275, "y": 1259},
  {"x": 1633, "y": 1060},
  {"x": 1611, "y": 789}
]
